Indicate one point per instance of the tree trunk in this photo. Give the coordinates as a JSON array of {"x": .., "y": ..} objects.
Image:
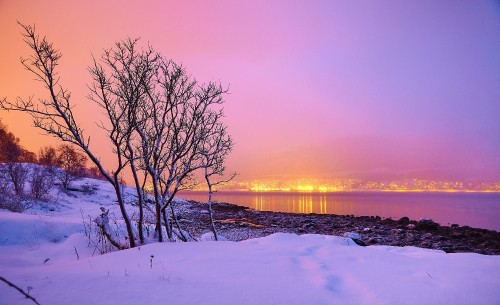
[
  {"x": 140, "y": 199},
  {"x": 157, "y": 206},
  {"x": 210, "y": 210},
  {"x": 168, "y": 227},
  {"x": 158, "y": 222},
  {"x": 176, "y": 222},
  {"x": 212, "y": 223},
  {"x": 128, "y": 225}
]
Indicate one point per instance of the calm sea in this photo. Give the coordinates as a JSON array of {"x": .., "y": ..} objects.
[{"x": 480, "y": 210}]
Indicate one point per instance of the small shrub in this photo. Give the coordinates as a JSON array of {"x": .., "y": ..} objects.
[
  {"x": 4, "y": 180},
  {"x": 72, "y": 163},
  {"x": 18, "y": 173},
  {"x": 42, "y": 180},
  {"x": 89, "y": 188},
  {"x": 17, "y": 204}
]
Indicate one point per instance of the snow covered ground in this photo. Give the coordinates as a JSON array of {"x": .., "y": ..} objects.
[{"x": 38, "y": 252}]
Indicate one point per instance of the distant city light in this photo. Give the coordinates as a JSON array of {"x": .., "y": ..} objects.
[{"x": 348, "y": 185}]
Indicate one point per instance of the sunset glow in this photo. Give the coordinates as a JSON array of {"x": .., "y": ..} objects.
[
  {"x": 258, "y": 152},
  {"x": 356, "y": 185},
  {"x": 330, "y": 90},
  {"x": 333, "y": 187}
]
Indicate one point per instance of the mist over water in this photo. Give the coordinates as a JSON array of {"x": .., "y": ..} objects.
[
  {"x": 384, "y": 158},
  {"x": 480, "y": 210}
]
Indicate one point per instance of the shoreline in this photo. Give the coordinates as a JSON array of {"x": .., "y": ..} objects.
[
  {"x": 444, "y": 208},
  {"x": 238, "y": 223}
]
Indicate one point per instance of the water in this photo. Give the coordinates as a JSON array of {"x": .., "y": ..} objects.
[{"x": 480, "y": 210}]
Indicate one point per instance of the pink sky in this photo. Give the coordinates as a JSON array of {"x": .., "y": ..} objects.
[{"x": 318, "y": 88}]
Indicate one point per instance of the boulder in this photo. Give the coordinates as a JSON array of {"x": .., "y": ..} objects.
[
  {"x": 410, "y": 226},
  {"x": 352, "y": 235},
  {"x": 356, "y": 238},
  {"x": 427, "y": 224},
  {"x": 404, "y": 220}
]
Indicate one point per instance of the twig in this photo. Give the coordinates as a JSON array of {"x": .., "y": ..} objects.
[
  {"x": 76, "y": 252},
  {"x": 83, "y": 220},
  {"x": 20, "y": 290}
]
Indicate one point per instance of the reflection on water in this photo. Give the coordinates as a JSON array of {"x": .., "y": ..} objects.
[{"x": 473, "y": 209}]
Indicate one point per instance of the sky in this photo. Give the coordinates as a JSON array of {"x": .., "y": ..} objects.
[{"x": 318, "y": 89}]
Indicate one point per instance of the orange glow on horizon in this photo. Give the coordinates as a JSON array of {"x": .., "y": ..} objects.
[
  {"x": 293, "y": 111},
  {"x": 356, "y": 185}
]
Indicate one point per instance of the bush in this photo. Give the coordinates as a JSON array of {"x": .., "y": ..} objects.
[
  {"x": 4, "y": 180},
  {"x": 8, "y": 200},
  {"x": 42, "y": 180},
  {"x": 72, "y": 164},
  {"x": 17, "y": 174},
  {"x": 16, "y": 204},
  {"x": 89, "y": 189}
]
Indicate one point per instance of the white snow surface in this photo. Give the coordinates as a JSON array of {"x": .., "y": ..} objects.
[{"x": 277, "y": 269}]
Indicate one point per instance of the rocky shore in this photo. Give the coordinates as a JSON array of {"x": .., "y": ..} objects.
[{"x": 239, "y": 223}]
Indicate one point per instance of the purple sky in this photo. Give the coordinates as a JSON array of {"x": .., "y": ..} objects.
[{"x": 318, "y": 88}]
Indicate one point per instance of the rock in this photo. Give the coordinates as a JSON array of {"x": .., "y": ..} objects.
[
  {"x": 359, "y": 242},
  {"x": 451, "y": 238},
  {"x": 396, "y": 231},
  {"x": 427, "y": 224},
  {"x": 404, "y": 220},
  {"x": 209, "y": 236},
  {"x": 377, "y": 240},
  {"x": 427, "y": 236},
  {"x": 356, "y": 238},
  {"x": 307, "y": 225},
  {"x": 457, "y": 235},
  {"x": 352, "y": 235}
]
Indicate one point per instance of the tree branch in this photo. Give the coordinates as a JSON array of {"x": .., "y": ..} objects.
[{"x": 19, "y": 289}]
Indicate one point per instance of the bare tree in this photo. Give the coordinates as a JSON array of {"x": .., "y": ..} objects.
[
  {"x": 72, "y": 164},
  {"x": 43, "y": 174},
  {"x": 120, "y": 80},
  {"x": 42, "y": 180},
  {"x": 10, "y": 149},
  {"x": 216, "y": 146},
  {"x": 54, "y": 115},
  {"x": 12, "y": 154},
  {"x": 47, "y": 156},
  {"x": 171, "y": 148},
  {"x": 18, "y": 173},
  {"x": 159, "y": 120},
  {"x": 165, "y": 138},
  {"x": 161, "y": 113},
  {"x": 94, "y": 173}
]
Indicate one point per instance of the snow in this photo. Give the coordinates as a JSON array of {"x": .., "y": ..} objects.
[{"x": 38, "y": 249}]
